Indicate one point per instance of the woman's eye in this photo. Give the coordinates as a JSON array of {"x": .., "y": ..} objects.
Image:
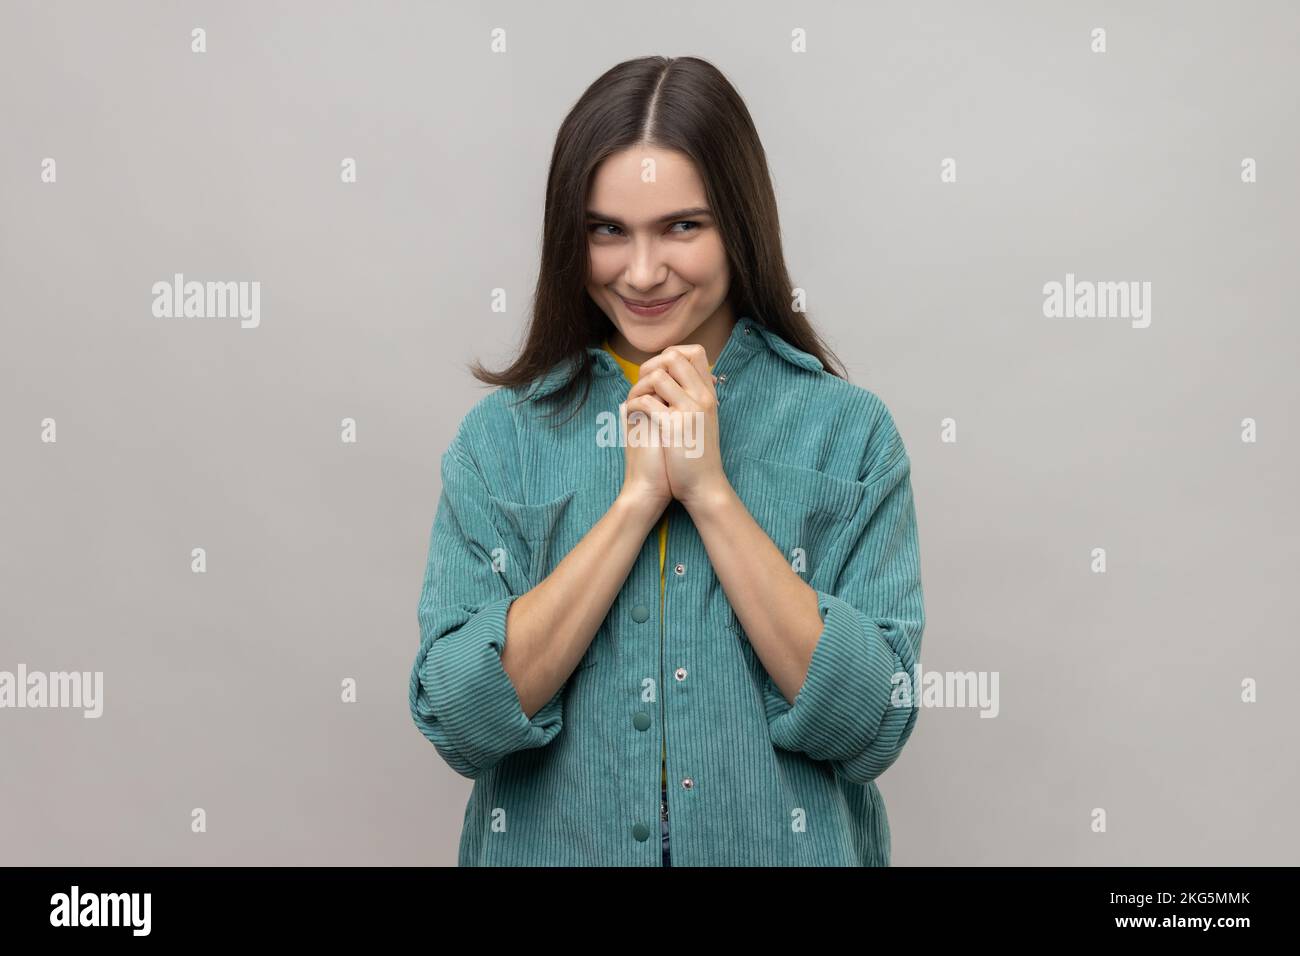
[
  {"x": 602, "y": 225},
  {"x": 687, "y": 222}
]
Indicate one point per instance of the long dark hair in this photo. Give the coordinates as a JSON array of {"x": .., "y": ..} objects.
[{"x": 675, "y": 103}]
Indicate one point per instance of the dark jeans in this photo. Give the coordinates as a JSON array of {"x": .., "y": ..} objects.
[{"x": 663, "y": 818}]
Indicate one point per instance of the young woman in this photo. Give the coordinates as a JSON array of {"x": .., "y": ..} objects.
[{"x": 704, "y": 634}]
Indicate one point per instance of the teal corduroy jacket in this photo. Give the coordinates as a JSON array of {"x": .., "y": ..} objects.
[{"x": 752, "y": 780}]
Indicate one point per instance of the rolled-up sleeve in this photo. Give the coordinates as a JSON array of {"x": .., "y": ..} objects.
[
  {"x": 853, "y": 709},
  {"x": 461, "y": 698}
]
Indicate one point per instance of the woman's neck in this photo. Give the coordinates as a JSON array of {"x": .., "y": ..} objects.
[{"x": 712, "y": 333}]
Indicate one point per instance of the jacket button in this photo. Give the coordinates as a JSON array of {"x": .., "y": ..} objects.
[
  {"x": 680, "y": 673},
  {"x": 640, "y": 833},
  {"x": 640, "y": 613},
  {"x": 641, "y": 721},
  {"x": 688, "y": 783},
  {"x": 722, "y": 377},
  {"x": 680, "y": 569}
]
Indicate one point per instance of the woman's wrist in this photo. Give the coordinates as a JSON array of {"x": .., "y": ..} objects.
[{"x": 639, "y": 507}]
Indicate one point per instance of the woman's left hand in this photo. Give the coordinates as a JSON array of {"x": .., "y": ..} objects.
[{"x": 680, "y": 377}]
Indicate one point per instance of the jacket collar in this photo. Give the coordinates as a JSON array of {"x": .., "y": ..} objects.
[{"x": 748, "y": 337}]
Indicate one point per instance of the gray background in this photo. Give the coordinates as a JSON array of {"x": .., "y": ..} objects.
[{"x": 1118, "y": 691}]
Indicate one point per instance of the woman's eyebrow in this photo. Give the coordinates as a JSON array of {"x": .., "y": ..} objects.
[{"x": 679, "y": 214}]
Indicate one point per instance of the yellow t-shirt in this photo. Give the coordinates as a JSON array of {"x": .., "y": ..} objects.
[{"x": 632, "y": 370}]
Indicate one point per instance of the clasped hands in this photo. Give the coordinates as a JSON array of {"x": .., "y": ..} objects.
[{"x": 674, "y": 452}]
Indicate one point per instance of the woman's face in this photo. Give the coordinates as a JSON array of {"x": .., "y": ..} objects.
[{"x": 651, "y": 237}]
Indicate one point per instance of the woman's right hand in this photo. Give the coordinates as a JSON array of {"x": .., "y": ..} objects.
[{"x": 645, "y": 477}]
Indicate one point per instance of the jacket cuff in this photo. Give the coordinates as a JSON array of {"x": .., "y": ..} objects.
[
  {"x": 464, "y": 691},
  {"x": 844, "y": 710}
]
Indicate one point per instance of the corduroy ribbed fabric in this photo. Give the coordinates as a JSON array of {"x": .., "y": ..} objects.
[{"x": 753, "y": 780}]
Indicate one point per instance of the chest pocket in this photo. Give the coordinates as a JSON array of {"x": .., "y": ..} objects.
[
  {"x": 805, "y": 512},
  {"x": 533, "y": 539}
]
